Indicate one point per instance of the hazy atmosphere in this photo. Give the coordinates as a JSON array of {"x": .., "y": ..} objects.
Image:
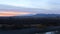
[
  {"x": 41, "y": 4},
  {"x": 33, "y": 6}
]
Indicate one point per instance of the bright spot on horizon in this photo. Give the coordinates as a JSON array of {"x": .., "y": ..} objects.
[{"x": 13, "y": 13}]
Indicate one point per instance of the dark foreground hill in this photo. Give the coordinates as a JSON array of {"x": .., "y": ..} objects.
[
  {"x": 35, "y": 19},
  {"x": 17, "y": 24}
]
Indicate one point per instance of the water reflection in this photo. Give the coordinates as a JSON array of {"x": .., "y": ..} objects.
[{"x": 52, "y": 32}]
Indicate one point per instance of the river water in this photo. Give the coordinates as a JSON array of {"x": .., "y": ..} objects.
[{"x": 25, "y": 31}]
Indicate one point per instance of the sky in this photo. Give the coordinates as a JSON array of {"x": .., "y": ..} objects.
[
  {"x": 12, "y": 13},
  {"x": 41, "y": 4}
]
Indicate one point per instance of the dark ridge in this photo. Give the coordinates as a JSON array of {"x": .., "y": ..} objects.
[
  {"x": 30, "y": 20},
  {"x": 21, "y": 21}
]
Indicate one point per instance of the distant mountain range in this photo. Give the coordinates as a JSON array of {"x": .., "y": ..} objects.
[
  {"x": 39, "y": 16},
  {"x": 48, "y": 15}
]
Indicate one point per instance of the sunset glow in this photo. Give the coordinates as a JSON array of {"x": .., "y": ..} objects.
[{"x": 13, "y": 13}]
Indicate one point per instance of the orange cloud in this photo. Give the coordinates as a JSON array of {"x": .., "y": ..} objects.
[{"x": 11, "y": 13}]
